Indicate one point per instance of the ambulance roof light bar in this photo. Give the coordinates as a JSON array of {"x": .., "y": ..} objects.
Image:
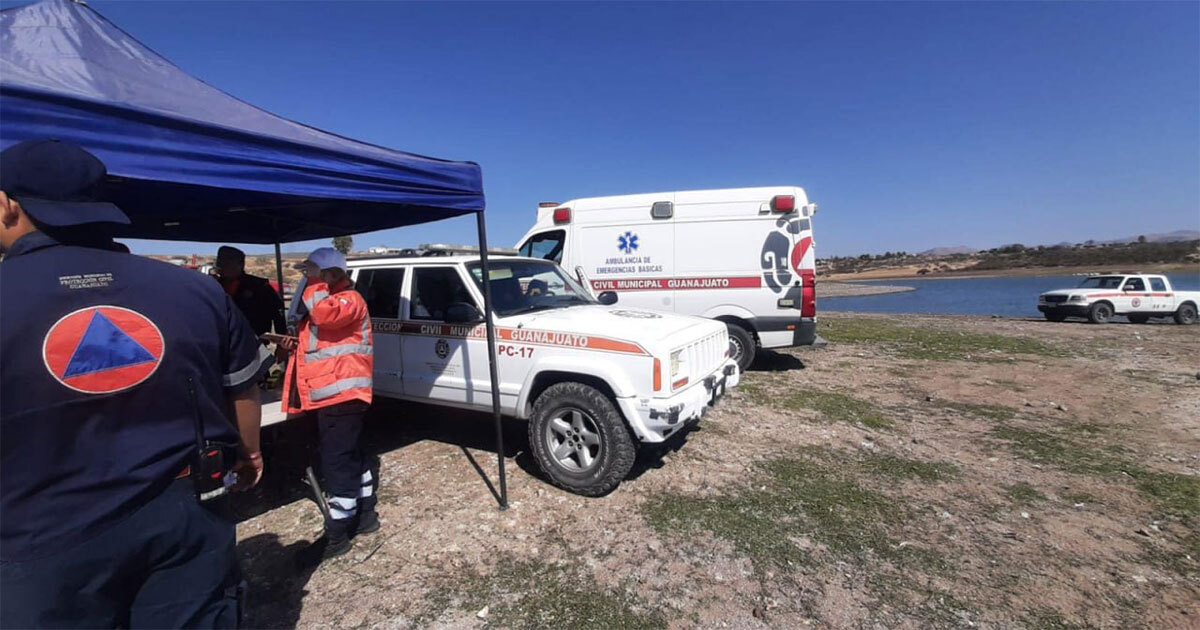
[{"x": 548, "y": 204}]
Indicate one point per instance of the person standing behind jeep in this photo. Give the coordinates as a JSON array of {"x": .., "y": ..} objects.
[
  {"x": 331, "y": 373},
  {"x": 253, "y": 295}
]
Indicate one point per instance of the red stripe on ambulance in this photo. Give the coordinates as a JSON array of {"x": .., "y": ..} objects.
[{"x": 675, "y": 284}]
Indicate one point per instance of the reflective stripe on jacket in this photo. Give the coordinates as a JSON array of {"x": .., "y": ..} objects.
[{"x": 334, "y": 359}]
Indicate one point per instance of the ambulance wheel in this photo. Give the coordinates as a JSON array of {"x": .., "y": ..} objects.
[
  {"x": 1185, "y": 314},
  {"x": 1100, "y": 313},
  {"x": 1138, "y": 319},
  {"x": 741, "y": 346},
  {"x": 579, "y": 439}
]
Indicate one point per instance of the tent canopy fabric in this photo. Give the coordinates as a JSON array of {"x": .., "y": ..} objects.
[{"x": 190, "y": 162}]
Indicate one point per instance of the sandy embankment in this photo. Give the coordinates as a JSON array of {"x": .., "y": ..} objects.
[{"x": 828, "y": 289}]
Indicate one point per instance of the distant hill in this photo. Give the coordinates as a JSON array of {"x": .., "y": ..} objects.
[
  {"x": 1018, "y": 256},
  {"x": 937, "y": 252},
  {"x": 1165, "y": 237}
]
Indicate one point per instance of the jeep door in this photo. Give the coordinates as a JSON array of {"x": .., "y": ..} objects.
[
  {"x": 436, "y": 361},
  {"x": 381, "y": 288}
]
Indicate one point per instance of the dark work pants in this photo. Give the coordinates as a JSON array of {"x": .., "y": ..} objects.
[
  {"x": 171, "y": 564},
  {"x": 348, "y": 478}
]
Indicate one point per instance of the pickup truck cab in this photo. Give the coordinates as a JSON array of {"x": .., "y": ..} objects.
[
  {"x": 1139, "y": 297},
  {"x": 592, "y": 379}
]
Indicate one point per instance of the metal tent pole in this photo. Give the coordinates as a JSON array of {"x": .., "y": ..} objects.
[
  {"x": 279, "y": 270},
  {"x": 491, "y": 340}
]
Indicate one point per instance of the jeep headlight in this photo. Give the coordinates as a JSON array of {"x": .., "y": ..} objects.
[
  {"x": 1076, "y": 298},
  {"x": 676, "y": 363}
]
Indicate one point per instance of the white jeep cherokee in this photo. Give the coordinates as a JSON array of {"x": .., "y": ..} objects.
[{"x": 592, "y": 379}]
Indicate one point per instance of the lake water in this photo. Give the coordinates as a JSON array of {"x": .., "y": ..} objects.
[{"x": 1009, "y": 297}]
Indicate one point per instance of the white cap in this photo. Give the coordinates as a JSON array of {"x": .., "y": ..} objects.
[{"x": 327, "y": 258}]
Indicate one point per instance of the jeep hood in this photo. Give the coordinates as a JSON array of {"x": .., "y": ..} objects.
[{"x": 656, "y": 331}]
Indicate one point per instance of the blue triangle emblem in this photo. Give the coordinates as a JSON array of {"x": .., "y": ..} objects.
[{"x": 105, "y": 347}]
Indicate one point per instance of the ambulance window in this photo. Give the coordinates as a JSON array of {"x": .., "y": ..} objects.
[
  {"x": 381, "y": 290},
  {"x": 547, "y": 246},
  {"x": 1157, "y": 284},
  {"x": 436, "y": 288}
]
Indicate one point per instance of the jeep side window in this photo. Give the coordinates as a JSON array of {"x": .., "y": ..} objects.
[
  {"x": 436, "y": 288},
  {"x": 546, "y": 245},
  {"x": 1158, "y": 284},
  {"x": 1135, "y": 284},
  {"x": 380, "y": 289}
]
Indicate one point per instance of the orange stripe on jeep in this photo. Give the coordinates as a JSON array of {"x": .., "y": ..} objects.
[{"x": 518, "y": 335}]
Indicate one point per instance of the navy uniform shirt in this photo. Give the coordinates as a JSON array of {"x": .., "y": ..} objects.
[{"x": 108, "y": 360}]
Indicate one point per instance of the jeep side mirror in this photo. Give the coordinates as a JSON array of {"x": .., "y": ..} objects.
[
  {"x": 607, "y": 298},
  {"x": 463, "y": 313}
]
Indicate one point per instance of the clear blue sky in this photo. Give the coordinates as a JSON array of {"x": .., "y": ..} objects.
[{"x": 912, "y": 125}]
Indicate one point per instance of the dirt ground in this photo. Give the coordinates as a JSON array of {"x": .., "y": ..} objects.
[{"x": 919, "y": 472}]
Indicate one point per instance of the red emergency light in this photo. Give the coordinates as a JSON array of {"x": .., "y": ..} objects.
[
  {"x": 783, "y": 203},
  {"x": 808, "y": 293},
  {"x": 562, "y": 215}
]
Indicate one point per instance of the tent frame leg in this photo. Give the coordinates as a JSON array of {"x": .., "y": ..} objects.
[
  {"x": 491, "y": 341},
  {"x": 279, "y": 270}
]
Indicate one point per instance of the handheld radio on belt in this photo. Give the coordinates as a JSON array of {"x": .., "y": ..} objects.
[{"x": 214, "y": 460}]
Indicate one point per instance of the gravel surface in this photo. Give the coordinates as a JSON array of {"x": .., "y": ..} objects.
[{"x": 919, "y": 472}]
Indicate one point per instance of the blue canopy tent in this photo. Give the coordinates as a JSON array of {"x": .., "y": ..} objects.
[{"x": 190, "y": 162}]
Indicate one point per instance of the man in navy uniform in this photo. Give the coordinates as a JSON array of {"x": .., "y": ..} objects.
[
  {"x": 260, "y": 303},
  {"x": 122, "y": 377}
]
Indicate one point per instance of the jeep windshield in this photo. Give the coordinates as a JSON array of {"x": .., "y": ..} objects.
[
  {"x": 1101, "y": 282},
  {"x": 523, "y": 286}
]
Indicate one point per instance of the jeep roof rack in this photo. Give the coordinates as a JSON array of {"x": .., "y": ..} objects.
[
  {"x": 436, "y": 249},
  {"x": 446, "y": 249}
]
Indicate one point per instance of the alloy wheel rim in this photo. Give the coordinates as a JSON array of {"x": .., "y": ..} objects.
[{"x": 573, "y": 440}]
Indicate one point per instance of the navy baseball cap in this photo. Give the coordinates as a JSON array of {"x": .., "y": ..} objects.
[{"x": 57, "y": 183}]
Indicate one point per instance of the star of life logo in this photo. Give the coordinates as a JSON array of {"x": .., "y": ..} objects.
[{"x": 627, "y": 243}]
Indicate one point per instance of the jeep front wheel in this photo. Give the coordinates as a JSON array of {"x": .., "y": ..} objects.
[
  {"x": 1100, "y": 313},
  {"x": 579, "y": 439}
]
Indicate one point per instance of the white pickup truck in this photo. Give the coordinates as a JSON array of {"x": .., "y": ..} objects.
[{"x": 1139, "y": 297}]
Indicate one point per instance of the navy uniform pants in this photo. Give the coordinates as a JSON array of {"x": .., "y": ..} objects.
[
  {"x": 171, "y": 564},
  {"x": 348, "y": 478}
]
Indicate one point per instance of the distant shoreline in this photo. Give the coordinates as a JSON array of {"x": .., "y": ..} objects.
[
  {"x": 911, "y": 274},
  {"x": 832, "y": 289}
]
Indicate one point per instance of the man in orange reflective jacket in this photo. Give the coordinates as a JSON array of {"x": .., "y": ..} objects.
[{"x": 331, "y": 374}]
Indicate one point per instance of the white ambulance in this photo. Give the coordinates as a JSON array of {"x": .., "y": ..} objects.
[
  {"x": 742, "y": 256},
  {"x": 593, "y": 379}
]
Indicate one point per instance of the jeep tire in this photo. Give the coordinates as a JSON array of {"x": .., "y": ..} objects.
[
  {"x": 1100, "y": 313},
  {"x": 580, "y": 440},
  {"x": 741, "y": 346},
  {"x": 1185, "y": 314}
]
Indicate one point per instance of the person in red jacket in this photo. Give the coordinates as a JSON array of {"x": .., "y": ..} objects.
[{"x": 330, "y": 373}]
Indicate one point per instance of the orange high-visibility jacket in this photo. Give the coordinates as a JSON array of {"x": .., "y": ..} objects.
[{"x": 334, "y": 359}]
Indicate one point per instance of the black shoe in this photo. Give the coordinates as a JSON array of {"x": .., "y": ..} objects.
[
  {"x": 325, "y": 548},
  {"x": 368, "y": 523}
]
